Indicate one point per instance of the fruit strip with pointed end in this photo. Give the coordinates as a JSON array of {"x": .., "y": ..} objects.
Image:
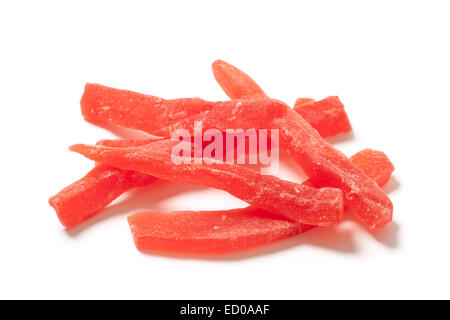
[{"x": 323, "y": 207}]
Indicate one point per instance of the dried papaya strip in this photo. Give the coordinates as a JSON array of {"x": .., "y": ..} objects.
[
  {"x": 86, "y": 197},
  {"x": 103, "y": 105},
  {"x": 327, "y": 116},
  {"x": 300, "y": 203},
  {"x": 375, "y": 164},
  {"x": 216, "y": 232},
  {"x": 209, "y": 232},
  {"x": 325, "y": 165}
]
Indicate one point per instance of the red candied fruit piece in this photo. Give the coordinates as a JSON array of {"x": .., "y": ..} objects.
[
  {"x": 209, "y": 232},
  {"x": 297, "y": 202},
  {"x": 325, "y": 165},
  {"x": 327, "y": 116},
  {"x": 86, "y": 197},
  {"x": 235, "y": 83},
  {"x": 375, "y": 164}
]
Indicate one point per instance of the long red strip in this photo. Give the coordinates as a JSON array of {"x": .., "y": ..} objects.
[
  {"x": 209, "y": 232},
  {"x": 300, "y": 203}
]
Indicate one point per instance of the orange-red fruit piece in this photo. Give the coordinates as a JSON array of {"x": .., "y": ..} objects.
[
  {"x": 375, "y": 164},
  {"x": 327, "y": 116},
  {"x": 86, "y": 197},
  {"x": 234, "y": 82},
  {"x": 108, "y": 106},
  {"x": 209, "y": 232},
  {"x": 89, "y": 195},
  {"x": 297, "y": 202},
  {"x": 325, "y": 165}
]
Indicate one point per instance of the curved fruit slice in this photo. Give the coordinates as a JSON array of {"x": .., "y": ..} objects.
[
  {"x": 209, "y": 232},
  {"x": 88, "y": 196},
  {"x": 327, "y": 116},
  {"x": 375, "y": 164},
  {"x": 297, "y": 202}
]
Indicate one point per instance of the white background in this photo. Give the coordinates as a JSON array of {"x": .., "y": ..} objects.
[{"x": 387, "y": 60}]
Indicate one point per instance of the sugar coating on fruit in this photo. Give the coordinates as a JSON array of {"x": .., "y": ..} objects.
[{"x": 297, "y": 202}]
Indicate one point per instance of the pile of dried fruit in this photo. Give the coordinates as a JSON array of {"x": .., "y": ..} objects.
[{"x": 278, "y": 208}]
